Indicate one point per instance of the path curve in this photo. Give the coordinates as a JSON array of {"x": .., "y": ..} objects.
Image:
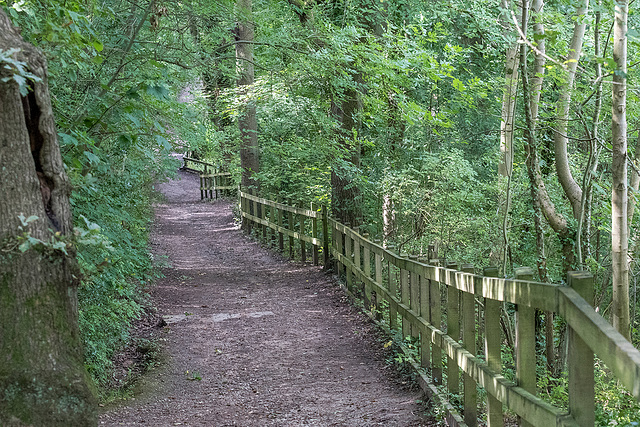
[{"x": 254, "y": 339}]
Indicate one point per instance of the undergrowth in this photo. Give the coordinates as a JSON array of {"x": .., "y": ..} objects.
[{"x": 111, "y": 295}]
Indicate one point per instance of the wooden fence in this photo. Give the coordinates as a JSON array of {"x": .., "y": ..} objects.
[
  {"x": 452, "y": 316},
  {"x": 213, "y": 182}
]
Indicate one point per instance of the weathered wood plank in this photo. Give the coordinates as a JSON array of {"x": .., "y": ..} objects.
[
  {"x": 525, "y": 346},
  {"x": 453, "y": 327},
  {"x": 492, "y": 351},
  {"x": 469, "y": 341},
  {"x": 580, "y": 359}
]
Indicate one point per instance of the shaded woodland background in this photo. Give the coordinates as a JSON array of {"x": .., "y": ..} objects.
[{"x": 409, "y": 118}]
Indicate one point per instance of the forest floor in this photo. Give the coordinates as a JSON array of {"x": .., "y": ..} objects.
[{"x": 254, "y": 339}]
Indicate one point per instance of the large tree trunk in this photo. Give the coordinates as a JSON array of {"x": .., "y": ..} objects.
[
  {"x": 247, "y": 121},
  {"x": 42, "y": 377},
  {"x": 619, "y": 225}
]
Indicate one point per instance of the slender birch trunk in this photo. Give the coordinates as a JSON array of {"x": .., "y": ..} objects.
[
  {"x": 619, "y": 200},
  {"x": 571, "y": 188}
]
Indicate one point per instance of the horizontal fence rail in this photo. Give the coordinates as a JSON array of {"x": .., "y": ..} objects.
[
  {"x": 213, "y": 182},
  {"x": 452, "y": 317}
]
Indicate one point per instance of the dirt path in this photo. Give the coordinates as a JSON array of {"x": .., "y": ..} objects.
[{"x": 253, "y": 339}]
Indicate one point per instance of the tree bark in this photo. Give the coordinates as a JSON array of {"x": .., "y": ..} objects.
[
  {"x": 247, "y": 120},
  {"x": 42, "y": 377},
  {"x": 571, "y": 188},
  {"x": 508, "y": 102},
  {"x": 346, "y": 200},
  {"x": 619, "y": 200}
]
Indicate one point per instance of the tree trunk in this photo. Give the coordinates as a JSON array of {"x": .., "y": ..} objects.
[
  {"x": 396, "y": 131},
  {"x": 619, "y": 225},
  {"x": 346, "y": 200},
  {"x": 247, "y": 120},
  {"x": 42, "y": 377},
  {"x": 508, "y": 101},
  {"x": 531, "y": 118},
  {"x": 571, "y": 188}
]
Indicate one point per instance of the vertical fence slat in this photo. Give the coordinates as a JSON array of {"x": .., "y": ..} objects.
[
  {"x": 525, "y": 343},
  {"x": 337, "y": 241},
  {"x": 262, "y": 213},
  {"x": 290, "y": 227},
  {"x": 580, "y": 359},
  {"x": 325, "y": 236},
  {"x": 404, "y": 296},
  {"x": 348, "y": 254},
  {"x": 303, "y": 245},
  {"x": 280, "y": 233},
  {"x": 314, "y": 234},
  {"x": 357, "y": 262},
  {"x": 374, "y": 297},
  {"x": 393, "y": 291},
  {"x": 436, "y": 321},
  {"x": 492, "y": 351},
  {"x": 273, "y": 219},
  {"x": 453, "y": 328},
  {"x": 425, "y": 313},
  {"x": 366, "y": 259},
  {"x": 469, "y": 342},
  {"x": 414, "y": 302}
]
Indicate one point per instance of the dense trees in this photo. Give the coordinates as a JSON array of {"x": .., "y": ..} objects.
[{"x": 394, "y": 113}]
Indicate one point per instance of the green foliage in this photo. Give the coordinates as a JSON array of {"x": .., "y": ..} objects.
[
  {"x": 117, "y": 92},
  {"x": 19, "y": 71}
]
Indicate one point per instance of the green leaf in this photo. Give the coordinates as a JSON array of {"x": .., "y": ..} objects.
[
  {"x": 163, "y": 142},
  {"x": 97, "y": 46},
  {"x": 158, "y": 91},
  {"x": 92, "y": 157}
]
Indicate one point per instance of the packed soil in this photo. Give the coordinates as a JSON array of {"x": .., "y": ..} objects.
[{"x": 254, "y": 339}]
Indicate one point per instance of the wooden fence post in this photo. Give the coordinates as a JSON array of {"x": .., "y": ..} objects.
[
  {"x": 366, "y": 259},
  {"x": 469, "y": 342},
  {"x": 280, "y": 233},
  {"x": 254, "y": 211},
  {"x": 314, "y": 234},
  {"x": 243, "y": 208},
  {"x": 425, "y": 313},
  {"x": 338, "y": 239},
  {"x": 393, "y": 291},
  {"x": 378, "y": 279},
  {"x": 303, "y": 246},
  {"x": 326, "y": 251},
  {"x": 262, "y": 214},
  {"x": 272, "y": 219},
  {"x": 357, "y": 262},
  {"x": 436, "y": 321},
  {"x": 414, "y": 299},
  {"x": 580, "y": 359},
  {"x": 404, "y": 295},
  {"x": 290, "y": 227},
  {"x": 348, "y": 256},
  {"x": 453, "y": 328},
  {"x": 492, "y": 350},
  {"x": 525, "y": 343}
]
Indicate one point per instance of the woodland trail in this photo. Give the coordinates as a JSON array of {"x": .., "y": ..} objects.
[{"x": 254, "y": 339}]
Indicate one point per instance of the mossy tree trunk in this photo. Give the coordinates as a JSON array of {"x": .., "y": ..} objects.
[{"x": 42, "y": 377}]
